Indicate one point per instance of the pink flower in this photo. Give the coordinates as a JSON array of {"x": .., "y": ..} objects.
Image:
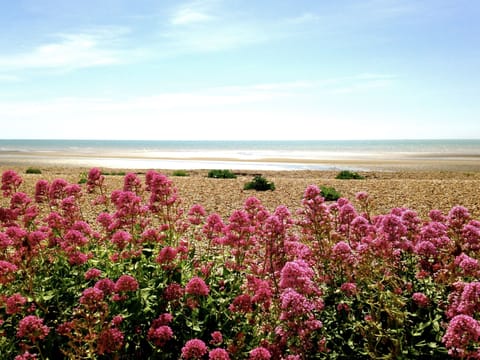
[
  {"x": 361, "y": 196},
  {"x": 469, "y": 265},
  {"x": 36, "y": 237},
  {"x": 160, "y": 335},
  {"x": 213, "y": 227},
  {"x": 10, "y": 182},
  {"x": 350, "y": 289},
  {"x": 194, "y": 349},
  {"x": 167, "y": 254},
  {"x": 173, "y": 292},
  {"x": 262, "y": 291},
  {"x": 121, "y": 239},
  {"x": 5, "y": 241},
  {"x": 259, "y": 353},
  {"x": 297, "y": 275},
  {"x": 465, "y": 299},
  {"x": 420, "y": 299},
  {"x": 343, "y": 307},
  {"x": 311, "y": 192},
  {"x": 471, "y": 235},
  {"x": 463, "y": 332},
  {"x": 126, "y": 283},
  {"x": 132, "y": 183},
  {"x": 19, "y": 200},
  {"x": 436, "y": 215},
  {"x": 393, "y": 227},
  {"x": 242, "y": 303},
  {"x": 458, "y": 216},
  {"x": 107, "y": 286},
  {"x": 162, "y": 191},
  {"x": 75, "y": 238},
  {"x": 95, "y": 179},
  {"x": 343, "y": 252},
  {"x": 105, "y": 219},
  {"x": 15, "y": 303},
  {"x": 196, "y": 214},
  {"x": 294, "y": 305},
  {"x": 92, "y": 274},
  {"x": 218, "y": 354},
  {"x": 32, "y": 328},
  {"x": 57, "y": 190},
  {"x": 346, "y": 214},
  {"x": 127, "y": 204},
  {"x": 26, "y": 356},
  {"x": 109, "y": 341},
  {"x": 217, "y": 338},
  {"x": 117, "y": 320},
  {"x": 77, "y": 258},
  {"x": 426, "y": 249},
  {"x": 196, "y": 286},
  {"x": 7, "y": 271},
  {"x": 73, "y": 190},
  {"x": 91, "y": 296}
]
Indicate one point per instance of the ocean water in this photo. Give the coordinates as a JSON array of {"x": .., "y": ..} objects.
[{"x": 266, "y": 155}]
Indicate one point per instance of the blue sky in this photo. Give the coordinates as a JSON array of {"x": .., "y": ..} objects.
[{"x": 240, "y": 69}]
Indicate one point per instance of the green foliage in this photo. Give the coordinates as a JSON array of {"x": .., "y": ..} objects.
[
  {"x": 221, "y": 174},
  {"x": 329, "y": 193},
  {"x": 114, "y": 173},
  {"x": 83, "y": 178},
  {"x": 179, "y": 173},
  {"x": 347, "y": 175},
  {"x": 259, "y": 183},
  {"x": 31, "y": 170}
]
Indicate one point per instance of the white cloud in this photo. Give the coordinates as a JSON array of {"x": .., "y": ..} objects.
[
  {"x": 203, "y": 114},
  {"x": 193, "y": 12},
  {"x": 189, "y": 16},
  {"x": 211, "y": 26},
  {"x": 71, "y": 51}
]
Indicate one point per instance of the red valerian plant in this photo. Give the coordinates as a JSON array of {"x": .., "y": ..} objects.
[{"x": 92, "y": 272}]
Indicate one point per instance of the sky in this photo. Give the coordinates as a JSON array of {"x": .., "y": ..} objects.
[{"x": 239, "y": 69}]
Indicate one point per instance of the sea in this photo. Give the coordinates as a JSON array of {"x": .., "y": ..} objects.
[{"x": 248, "y": 155}]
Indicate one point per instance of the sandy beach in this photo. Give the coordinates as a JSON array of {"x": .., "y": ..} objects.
[{"x": 417, "y": 187}]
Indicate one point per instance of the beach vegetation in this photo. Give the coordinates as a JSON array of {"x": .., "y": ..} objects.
[
  {"x": 329, "y": 193},
  {"x": 113, "y": 173},
  {"x": 221, "y": 174},
  {"x": 83, "y": 178},
  {"x": 180, "y": 173},
  {"x": 32, "y": 170},
  {"x": 348, "y": 175},
  {"x": 259, "y": 183},
  {"x": 130, "y": 274}
]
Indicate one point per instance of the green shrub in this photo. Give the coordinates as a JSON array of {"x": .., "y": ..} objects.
[
  {"x": 221, "y": 174},
  {"x": 259, "y": 183},
  {"x": 33, "y": 171},
  {"x": 83, "y": 178},
  {"x": 347, "y": 174},
  {"x": 329, "y": 193},
  {"x": 179, "y": 173},
  {"x": 114, "y": 173}
]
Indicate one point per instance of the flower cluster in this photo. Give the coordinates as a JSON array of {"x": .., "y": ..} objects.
[{"x": 87, "y": 271}]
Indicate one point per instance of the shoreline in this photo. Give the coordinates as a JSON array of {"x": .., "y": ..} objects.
[{"x": 424, "y": 162}]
